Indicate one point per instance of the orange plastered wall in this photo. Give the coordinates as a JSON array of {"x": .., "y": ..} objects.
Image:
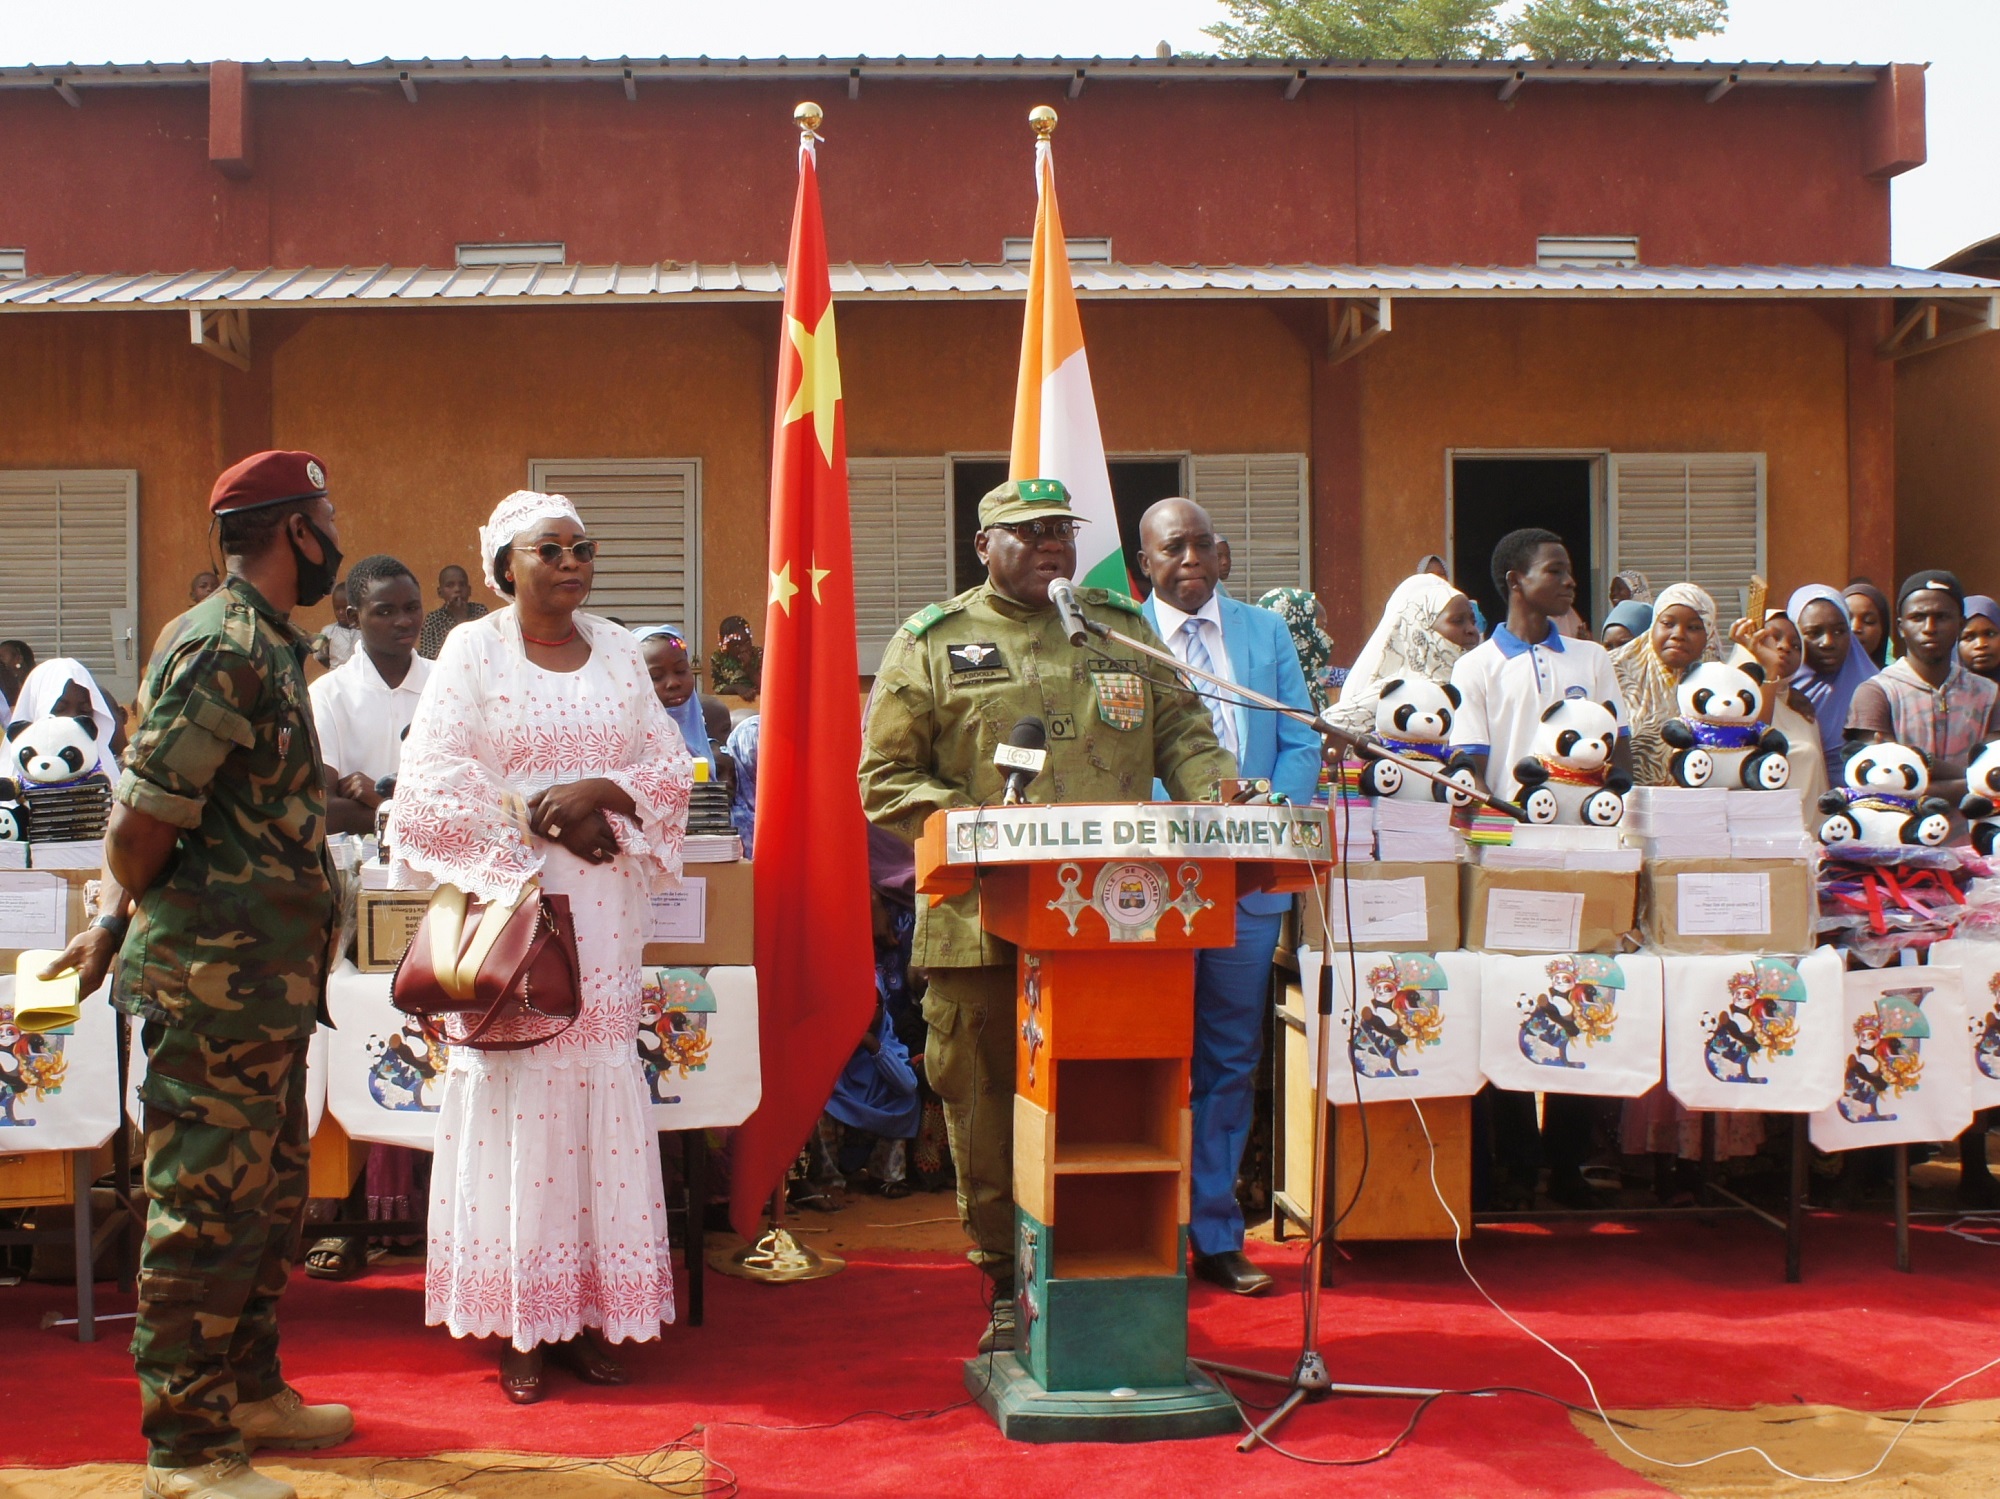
[
  {"x": 1624, "y": 376},
  {"x": 1948, "y": 462}
]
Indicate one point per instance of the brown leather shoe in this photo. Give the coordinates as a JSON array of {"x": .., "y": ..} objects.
[
  {"x": 521, "y": 1375},
  {"x": 1232, "y": 1271},
  {"x": 588, "y": 1359}
]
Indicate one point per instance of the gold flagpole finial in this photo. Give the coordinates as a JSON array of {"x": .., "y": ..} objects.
[
  {"x": 1044, "y": 120},
  {"x": 808, "y": 115}
]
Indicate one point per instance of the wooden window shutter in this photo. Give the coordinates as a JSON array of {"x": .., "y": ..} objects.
[
  {"x": 901, "y": 520},
  {"x": 69, "y": 580},
  {"x": 647, "y": 513},
  {"x": 1689, "y": 518},
  {"x": 1259, "y": 501}
]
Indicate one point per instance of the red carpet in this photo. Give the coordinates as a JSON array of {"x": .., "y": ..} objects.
[{"x": 1685, "y": 1313}]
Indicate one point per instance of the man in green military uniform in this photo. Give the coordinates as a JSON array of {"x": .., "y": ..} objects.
[
  {"x": 219, "y": 836},
  {"x": 953, "y": 682}
]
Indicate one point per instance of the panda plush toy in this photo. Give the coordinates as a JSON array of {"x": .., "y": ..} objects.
[
  {"x": 1413, "y": 721},
  {"x": 1981, "y": 806},
  {"x": 51, "y": 751},
  {"x": 1718, "y": 739},
  {"x": 1886, "y": 800},
  {"x": 1568, "y": 775},
  {"x": 13, "y": 816}
]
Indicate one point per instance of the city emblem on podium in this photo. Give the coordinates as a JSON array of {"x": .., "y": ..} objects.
[{"x": 1131, "y": 897}]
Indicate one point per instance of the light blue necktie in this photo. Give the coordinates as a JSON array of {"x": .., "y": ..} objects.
[{"x": 1219, "y": 712}]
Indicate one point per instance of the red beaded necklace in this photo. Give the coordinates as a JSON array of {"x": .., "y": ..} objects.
[{"x": 551, "y": 644}]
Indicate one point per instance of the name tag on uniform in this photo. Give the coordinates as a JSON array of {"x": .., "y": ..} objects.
[{"x": 977, "y": 661}]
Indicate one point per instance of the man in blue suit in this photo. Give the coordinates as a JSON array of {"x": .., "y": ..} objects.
[{"x": 1181, "y": 557}]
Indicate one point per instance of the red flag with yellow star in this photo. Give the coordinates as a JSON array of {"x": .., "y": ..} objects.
[{"x": 815, "y": 947}]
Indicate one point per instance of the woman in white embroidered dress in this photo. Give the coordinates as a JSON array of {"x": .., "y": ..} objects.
[{"x": 548, "y": 1223}]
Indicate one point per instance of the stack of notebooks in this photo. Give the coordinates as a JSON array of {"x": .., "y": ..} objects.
[
  {"x": 72, "y": 813},
  {"x": 1563, "y": 846},
  {"x": 1679, "y": 822},
  {"x": 1410, "y": 831},
  {"x": 1768, "y": 825},
  {"x": 711, "y": 836}
]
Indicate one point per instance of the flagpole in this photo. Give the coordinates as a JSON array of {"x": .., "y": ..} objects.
[{"x": 777, "y": 1256}]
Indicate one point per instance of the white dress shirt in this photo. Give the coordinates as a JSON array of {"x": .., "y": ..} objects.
[
  {"x": 361, "y": 719},
  {"x": 1208, "y": 618}
]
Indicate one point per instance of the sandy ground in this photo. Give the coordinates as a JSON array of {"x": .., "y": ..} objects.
[
  {"x": 1951, "y": 1452},
  {"x": 478, "y": 1475}
]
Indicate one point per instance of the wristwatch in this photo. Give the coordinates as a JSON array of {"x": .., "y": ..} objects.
[{"x": 116, "y": 925}]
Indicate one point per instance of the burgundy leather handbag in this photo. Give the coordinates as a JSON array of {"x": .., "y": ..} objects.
[{"x": 492, "y": 977}]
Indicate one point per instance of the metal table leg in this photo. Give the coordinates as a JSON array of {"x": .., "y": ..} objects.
[
  {"x": 694, "y": 1175},
  {"x": 1795, "y": 1202},
  {"x": 1903, "y": 1208},
  {"x": 86, "y": 1250}
]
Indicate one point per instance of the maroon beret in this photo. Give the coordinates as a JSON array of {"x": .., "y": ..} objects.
[{"x": 268, "y": 479}]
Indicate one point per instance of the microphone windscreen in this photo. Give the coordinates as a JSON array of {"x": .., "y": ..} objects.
[{"x": 1029, "y": 733}]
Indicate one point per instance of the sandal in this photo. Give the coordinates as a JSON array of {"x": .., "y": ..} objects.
[{"x": 336, "y": 1259}]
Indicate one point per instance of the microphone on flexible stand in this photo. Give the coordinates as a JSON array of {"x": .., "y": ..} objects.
[
  {"x": 1062, "y": 593},
  {"x": 1022, "y": 756}
]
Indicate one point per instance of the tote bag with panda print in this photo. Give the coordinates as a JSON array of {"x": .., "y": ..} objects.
[
  {"x": 1759, "y": 1034},
  {"x": 1417, "y": 1025},
  {"x": 1571, "y": 1023},
  {"x": 1906, "y": 1077},
  {"x": 1978, "y": 965}
]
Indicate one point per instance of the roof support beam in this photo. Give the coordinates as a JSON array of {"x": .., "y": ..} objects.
[
  {"x": 1932, "y": 322},
  {"x": 1076, "y": 84},
  {"x": 68, "y": 95},
  {"x": 1720, "y": 89},
  {"x": 409, "y": 86},
  {"x": 631, "y": 88},
  {"x": 1352, "y": 324},
  {"x": 229, "y": 122},
  {"x": 854, "y": 83},
  {"x": 1297, "y": 83},
  {"x": 223, "y": 332},
  {"x": 1513, "y": 85}
]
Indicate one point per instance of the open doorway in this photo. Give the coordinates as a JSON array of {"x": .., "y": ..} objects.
[
  {"x": 1136, "y": 483},
  {"x": 1491, "y": 496}
]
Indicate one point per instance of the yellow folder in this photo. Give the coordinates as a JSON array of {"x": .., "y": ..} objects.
[{"x": 44, "y": 1004}]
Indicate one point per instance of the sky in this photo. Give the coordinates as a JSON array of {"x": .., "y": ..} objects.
[{"x": 1949, "y": 202}]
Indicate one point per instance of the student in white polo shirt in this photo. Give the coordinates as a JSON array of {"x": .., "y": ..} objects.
[
  {"x": 1505, "y": 684},
  {"x": 363, "y": 708},
  {"x": 1508, "y": 682}
]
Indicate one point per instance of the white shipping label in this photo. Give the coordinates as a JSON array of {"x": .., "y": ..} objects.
[
  {"x": 1381, "y": 910},
  {"x": 1534, "y": 920},
  {"x": 681, "y": 915},
  {"x": 1724, "y": 905},
  {"x": 34, "y": 911}
]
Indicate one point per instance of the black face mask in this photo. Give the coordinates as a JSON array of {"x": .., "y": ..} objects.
[{"x": 316, "y": 579}]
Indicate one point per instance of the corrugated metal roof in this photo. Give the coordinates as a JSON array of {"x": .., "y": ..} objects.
[
  {"x": 944, "y": 69},
  {"x": 677, "y": 281}
]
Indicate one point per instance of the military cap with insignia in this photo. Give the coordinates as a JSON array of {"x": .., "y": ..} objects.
[
  {"x": 1024, "y": 500},
  {"x": 272, "y": 478}
]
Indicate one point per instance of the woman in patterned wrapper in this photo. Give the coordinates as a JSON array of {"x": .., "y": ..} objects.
[{"x": 540, "y": 750}]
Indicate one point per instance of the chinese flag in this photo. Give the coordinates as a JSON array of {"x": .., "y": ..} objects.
[{"x": 815, "y": 949}]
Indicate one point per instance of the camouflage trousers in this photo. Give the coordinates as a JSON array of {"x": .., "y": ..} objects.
[
  {"x": 969, "y": 1059},
  {"x": 226, "y": 1150}
]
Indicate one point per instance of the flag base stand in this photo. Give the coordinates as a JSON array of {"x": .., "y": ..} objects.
[
  {"x": 1026, "y": 1412},
  {"x": 776, "y": 1258}
]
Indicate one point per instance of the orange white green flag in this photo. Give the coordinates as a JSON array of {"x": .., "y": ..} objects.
[{"x": 1055, "y": 411}]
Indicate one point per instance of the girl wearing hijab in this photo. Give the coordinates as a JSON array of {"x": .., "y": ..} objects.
[
  {"x": 1834, "y": 664},
  {"x": 1426, "y": 626},
  {"x": 665, "y": 651},
  {"x": 1307, "y": 621},
  {"x": 1651, "y": 667},
  {"x": 1979, "y": 643},
  {"x": 1630, "y": 585},
  {"x": 1625, "y": 622},
  {"x": 63, "y": 688},
  {"x": 1868, "y": 616}
]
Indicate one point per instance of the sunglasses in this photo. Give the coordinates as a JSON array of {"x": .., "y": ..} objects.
[
  {"x": 1040, "y": 530},
  {"x": 552, "y": 552}
]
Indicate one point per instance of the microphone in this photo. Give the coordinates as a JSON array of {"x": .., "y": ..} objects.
[
  {"x": 1062, "y": 593},
  {"x": 1022, "y": 756}
]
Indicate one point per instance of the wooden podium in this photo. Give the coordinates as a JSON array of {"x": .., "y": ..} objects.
[{"x": 1107, "y": 904}]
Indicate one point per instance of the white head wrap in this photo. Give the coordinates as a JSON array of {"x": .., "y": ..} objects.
[
  {"x": 48, "y": 682},
  {"x": 1405, "y": 644},
  {"x": 514, "y": 515}
]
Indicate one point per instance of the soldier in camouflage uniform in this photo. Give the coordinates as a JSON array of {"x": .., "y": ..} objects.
[
  {"x": 953, "y": 682},
  {"x": 219, "y": 835}
]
